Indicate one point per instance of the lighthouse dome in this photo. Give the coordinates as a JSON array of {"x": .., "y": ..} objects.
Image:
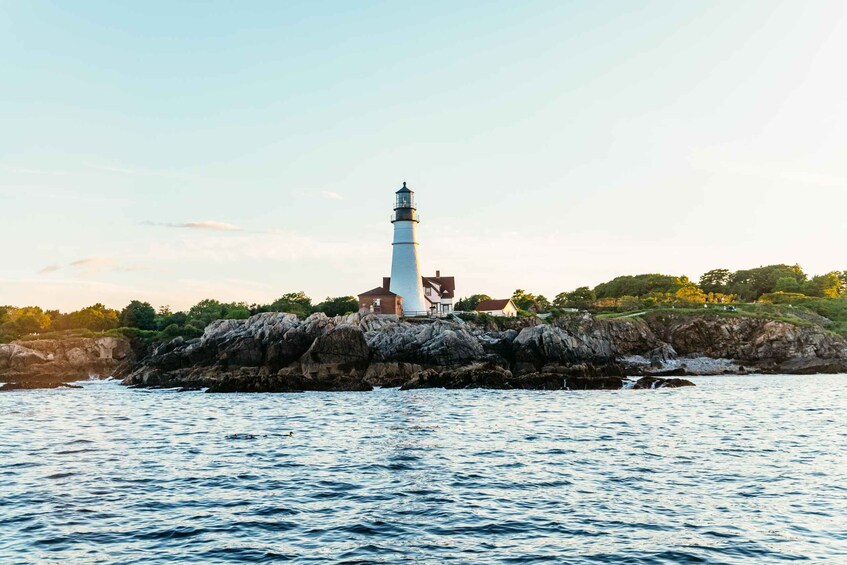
[{"x": 404, "y": 204}]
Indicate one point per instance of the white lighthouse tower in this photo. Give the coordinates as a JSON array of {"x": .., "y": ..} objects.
[{"x": 405, "y": 269}]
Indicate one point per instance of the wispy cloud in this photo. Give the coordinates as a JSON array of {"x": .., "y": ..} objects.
[
  {"x": 330, "y": 195},
  {"x": 209, "y": 225},
  {"x": 85, "y": 265},
  {"x": 28, "y": 171},
  {"x": 201, "y": 225},
  {"x": 143, "y": 172},
  {"x": 94, "y": 264},
  {"x": 90, "y": 265}
]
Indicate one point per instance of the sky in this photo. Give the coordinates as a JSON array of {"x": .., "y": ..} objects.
[{"x": 171, "y": 152}]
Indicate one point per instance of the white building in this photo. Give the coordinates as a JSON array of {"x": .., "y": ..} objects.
[
  {"x": 439, "y": 292},
  {"x": 503, "y": 307}
]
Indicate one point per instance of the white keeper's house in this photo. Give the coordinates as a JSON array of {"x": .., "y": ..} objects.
[{"x": 503, "y": 307}]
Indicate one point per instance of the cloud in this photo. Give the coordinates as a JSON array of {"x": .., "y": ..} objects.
[
  {"x": 201, "y": 225},
  {"x": 330, "y": 195},
  {"x": 85, "y": 265},
  {"x": 89, "y": 265},
  {"x": 26, "y": 171},
  {"x": 95, "y": 264},
  {"x": 210, "y": 225},
  {"x": 143, "y": 172}
]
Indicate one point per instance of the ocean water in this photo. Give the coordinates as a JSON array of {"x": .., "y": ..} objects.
[{"x": 737, "y": 470}]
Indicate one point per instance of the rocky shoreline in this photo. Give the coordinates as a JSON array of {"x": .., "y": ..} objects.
[
  {"x": 277, "y": 352},
  {"x": 53, "y": 363}
]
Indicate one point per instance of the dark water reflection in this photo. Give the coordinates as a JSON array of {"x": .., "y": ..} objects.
[{"x": 740, "y": 469}]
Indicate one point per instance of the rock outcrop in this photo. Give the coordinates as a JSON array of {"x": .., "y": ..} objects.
[
  {"x": 655, "y": 382},
  {"x": 767, "y": 345},
  {"x": 52, "y": 362},
  {"x": 278, "y": 352},
  {"x": 476, "y": 375}
]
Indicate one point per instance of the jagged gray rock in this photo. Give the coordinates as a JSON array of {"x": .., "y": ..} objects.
[
  {"x": 278, "y": 352},
  {"x": 476, "y": 375},
  {"x": 770, "y": 345},
  {"x": 440, "y": 343},
  {"x": 580, "y": 339}
]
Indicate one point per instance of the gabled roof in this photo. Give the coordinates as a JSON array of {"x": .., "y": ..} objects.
[
  {"x": 445, "y": 285},
  {"x": 492, "y": 305},
  {"x": 378, "y": 291}
]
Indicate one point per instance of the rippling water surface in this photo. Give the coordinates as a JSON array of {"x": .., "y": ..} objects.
[{"x": 739, "y": 469}]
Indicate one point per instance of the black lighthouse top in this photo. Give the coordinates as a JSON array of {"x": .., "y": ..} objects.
[{"x": 404, "y": 206}]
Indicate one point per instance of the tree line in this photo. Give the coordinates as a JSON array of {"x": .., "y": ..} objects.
[
  {"x": 17, "y": 322},
  {"x": 772, "y": 283}
]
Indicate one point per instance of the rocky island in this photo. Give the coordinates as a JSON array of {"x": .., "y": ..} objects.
[{"x": 278, "y": 352}]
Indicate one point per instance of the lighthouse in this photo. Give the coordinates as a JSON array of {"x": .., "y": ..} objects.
[
  {"x": 406, "y": 292},
  {"x": 406, "y": 280}
]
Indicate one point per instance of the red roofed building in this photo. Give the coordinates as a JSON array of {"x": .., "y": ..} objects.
[
  {"x": 381, "y": 301},
  {"x": 438, "y": 292},
  {"x": 503, "y": 307}
]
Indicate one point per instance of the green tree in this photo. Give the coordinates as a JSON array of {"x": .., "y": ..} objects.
[
  {"x": 639, "y": 285},
  {"x": 139, "y": 315},
  {"x": 206, "y": 311},
  {"x": 541, "y": 304},
  {"x": 825, "y": 286},
  {"x": 691, "y": 294},
  {"x": 581, "y": 298},
  {"x": 18, "y": 322},
  {"x": 787, "y": 284},
  {"x": 96, "y": 318},
  {"x": 167, "y": 318},
  {"x": 528, "y": 302},
  {"x": 715, "y": 280},
  {"x": 236, "y": 311},
  {"x": 469, "y": 304},
  {"x": 523, "y": 300},
  {"x": 293, "y": 303},
  {"x": 750, "y": 284},
  {"x": 338, "y": 306}
]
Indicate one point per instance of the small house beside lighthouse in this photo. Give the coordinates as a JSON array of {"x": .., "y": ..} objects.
[{"x": 406, "y": 292}]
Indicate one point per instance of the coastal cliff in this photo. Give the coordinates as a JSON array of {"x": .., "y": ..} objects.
[
  {"x": 278, "y": 352},
  {"x": 48, "y": 363}
]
